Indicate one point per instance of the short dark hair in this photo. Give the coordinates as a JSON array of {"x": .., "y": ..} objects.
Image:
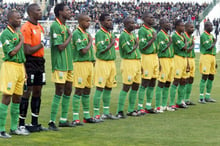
[
  {"x": 58, "y": 7},
  {"x": 30, "y": 7},
  {"x": 207, "y": 23},
  {"x": 145, "y": 14},
  {"x": 187, "y": 24},
  {"x": 177, "y": 22},
  {"x": 103, "y": 16},
  {"x": 127, "y": 20},
  {"x": 10, "y": 13}
]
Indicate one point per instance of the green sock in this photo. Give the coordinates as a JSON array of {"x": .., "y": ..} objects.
[
  {"x": 106, "y": 101},
  {"x": 65, "y": 108},
  {"x": 3, "y": 115},
  {"x": 14, "y": 115},
  {"x": 85, "y": 103},
  {"x": 121, "y": 100},
  {"x": 165, "y": 96},
  {"x": 181, "y": 94},
  {"x": 202, "y": 87},
  {"x": 54, "y": 107},
  {"x": 172, "y": 95},
  {"x": 150, "y": 94},
  {"x": 76, "y": 106},
  {"x": 158, "y": 96},
  {"x": 208, "y": 88},
  {"x": 188, "y": 91},
  {"x": 96, "y": 102},
  {"x": 132, "y": 100},
  {"x": 141, "y": 95}
]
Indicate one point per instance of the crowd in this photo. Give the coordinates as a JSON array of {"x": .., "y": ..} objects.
[{"x": 184, "y": 11}]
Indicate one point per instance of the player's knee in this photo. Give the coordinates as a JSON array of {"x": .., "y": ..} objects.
[
  {"x": 6, "y": 99},
  {"x": 145, "y": 83},
  {"x": 191, "y": 79},
  {"x": 135, "y": 86},
  {"x": 59, "y": 90},
  {"x": 182, "y": 81},
  {"x": 78, "y": 91},
  {"x": 86, "y": 91},
  {"x": 167, "y": 84},
  {"x": 68, "y": 89},
  {"x": 205, "y": 77},
  {"x": 126, "y": 87},
  {"x": 161, "y": 84},
  {"x": 176, "y": 82},
  {"x": 152, "y": 82},
  {"x": 99, "y": 88},
  {"x": 211, "y": 77}
]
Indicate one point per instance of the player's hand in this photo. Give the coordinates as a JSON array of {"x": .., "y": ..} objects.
[
  {"x": 154, "y": 35},
  {"x": 216, "y": 65},
  {"x": 113, "y": 40},
  {"x": 90, "y": 37},
  {"x": 69, "y": 32},
  {"x": 21, "y": 38},
  {"x": 170, "y": 39},
  {"x": 215, "y": 40}
]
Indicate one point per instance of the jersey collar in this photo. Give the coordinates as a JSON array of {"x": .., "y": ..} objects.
[
  {"x": 146, "y": 26},
  {"x": 81, "y": 29},
  {"x": 187, "y": 34},
  {"x": 127, "y": 32},
  {"x": 58, "y": 20},
  {"x": 11, "y": 29},
  {"x": 106, "y": 31},
  {"x": 207, "y": 33},
  {"x": 164, "y": 32}
]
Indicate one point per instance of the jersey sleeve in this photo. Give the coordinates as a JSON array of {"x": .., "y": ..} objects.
[
  {"x": 178, "y": 42},
  {"x": 78, "y": 41},
  {"x": 125, "y": 43},
  {"x": 205, "y": 42}
]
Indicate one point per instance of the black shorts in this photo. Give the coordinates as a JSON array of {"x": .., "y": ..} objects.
[{"x": 35, "y": 69}]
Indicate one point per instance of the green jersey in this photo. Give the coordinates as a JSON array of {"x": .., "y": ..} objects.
[
  {"x": 162, "y": 42},
  {"x": 206, "y": 41},
  {"x": 10, "y": 39},
  {"x": 61, "y": 60},
  {"x": 80, "y": 41},
  {"x": 145, "y": 34},
  {"x": 102, "y": 40},
  {"x": 126, "y": 44},
  {"x": 178, "y": 44},
  {"x": 189, "y": 39}
]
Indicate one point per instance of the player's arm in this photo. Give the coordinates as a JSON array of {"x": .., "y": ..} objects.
[
  {"x": 149, "y": 43},
  {"x": 109, "y": 46},
  {"x": 18, "y": 47},
  {"x": 165, "y": 46},
  {"x": 206, "y": 43},
  {"x": 191, "y": 47},
  {"x": 134, "y": 47},
  {"x": 61, "y": 47},
  {"x": 185, "y": 42},
  {"x": 86, "y": 49},
  {"x": 182, "y": 45}
]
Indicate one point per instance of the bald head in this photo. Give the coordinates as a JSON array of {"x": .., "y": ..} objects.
[
  {"x": 11, "y": 14},
  {"x": 31, "y": 8},
  {"x": 163, "y": 21},
  {"x": 127, "y": 20},
  {"x": 82, "y": 17}
]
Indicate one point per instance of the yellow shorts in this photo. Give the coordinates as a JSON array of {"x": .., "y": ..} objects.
[
  {"x": 62, "y": 76},
  {"x": 192, "y": 67},
  {"x": 167, "y": 70},
  {"x": 180, "y": 64},
  {"x": 12, "y": 77},
  {"x": 131, "y": 71},
  {"x": 150, "y": 66},
  {"x": 105, "y": 74},
  {"x": 207, "y": 64},
  {"x": 82, "y": 76}
]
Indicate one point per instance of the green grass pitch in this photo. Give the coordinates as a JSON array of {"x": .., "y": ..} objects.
[{"x": 197, "y": 125}]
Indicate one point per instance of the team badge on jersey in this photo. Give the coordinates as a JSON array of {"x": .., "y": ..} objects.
[
  {"x": 9, "y": 86},
  {"x": 54, "y": 35},
  {"x": 7, "y": 42},
  {"x": 34, "y": 31}
]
